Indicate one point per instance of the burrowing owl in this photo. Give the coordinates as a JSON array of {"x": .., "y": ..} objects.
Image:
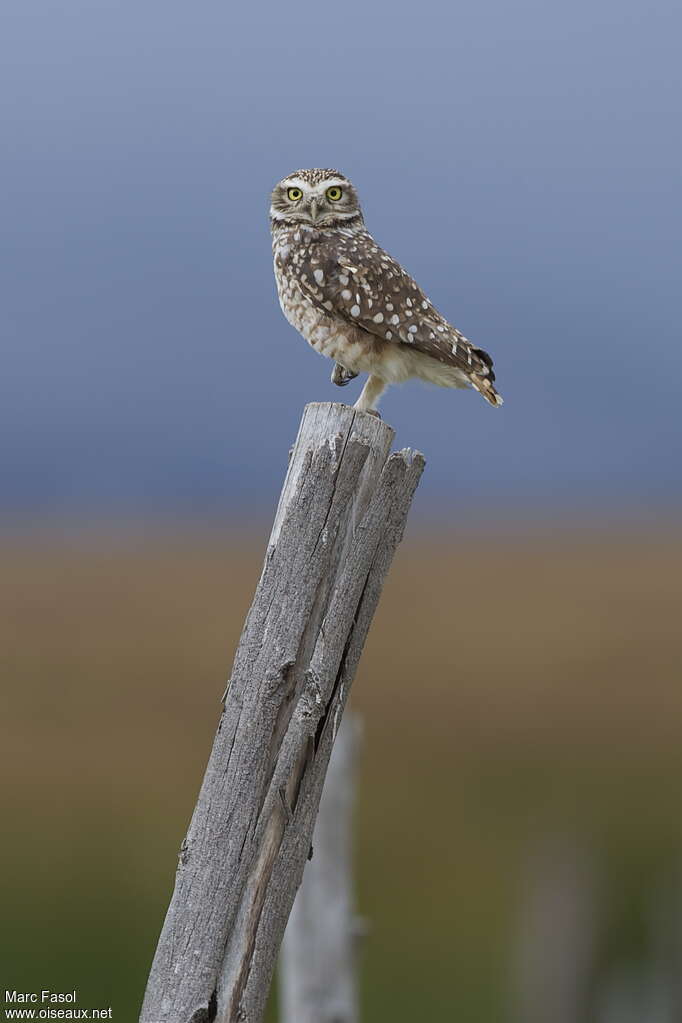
[{"x": 351, "y": 301}]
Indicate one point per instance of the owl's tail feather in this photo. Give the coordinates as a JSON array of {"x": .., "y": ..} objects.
[
  {"x": 485, "y": 386},
  {"x": 485, "y": 382}
]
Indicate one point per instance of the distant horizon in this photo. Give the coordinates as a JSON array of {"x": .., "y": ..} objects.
[{"x": 432, "y": 515}]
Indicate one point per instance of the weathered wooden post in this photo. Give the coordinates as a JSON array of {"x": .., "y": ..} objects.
[{"x": 340, "y": 517}]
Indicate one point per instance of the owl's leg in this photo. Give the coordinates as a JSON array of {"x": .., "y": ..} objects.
[
  {"x": 371, "y": 392},
  {"x": 342, "y": 376}
]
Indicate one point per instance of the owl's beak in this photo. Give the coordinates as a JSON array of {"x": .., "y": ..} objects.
[{"x": 313, "y": 210}]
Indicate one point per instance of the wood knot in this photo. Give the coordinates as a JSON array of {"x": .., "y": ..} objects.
[
  {"x": 275, "y": 678},
  {"x": 310, "y": 703}
]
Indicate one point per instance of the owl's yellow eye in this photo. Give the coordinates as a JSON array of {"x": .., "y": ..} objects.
[
  {"x": 294, "y": 194},
  {"x": 334, "y": 193}
]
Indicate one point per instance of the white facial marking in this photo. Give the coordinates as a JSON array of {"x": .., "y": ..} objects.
[
  {"x": 295, "y": 182},
  {"x": 321, "y": 187}
]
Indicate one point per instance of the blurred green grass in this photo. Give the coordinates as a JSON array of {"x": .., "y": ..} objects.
[{"x": 513, "y": 687}]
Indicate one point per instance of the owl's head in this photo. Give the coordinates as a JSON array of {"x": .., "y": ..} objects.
[{"x": 319, "y": 198}]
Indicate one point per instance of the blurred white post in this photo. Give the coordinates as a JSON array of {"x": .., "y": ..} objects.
[
  {"x": 318, "y": 980},
  {"x": 555, "y": 953}
]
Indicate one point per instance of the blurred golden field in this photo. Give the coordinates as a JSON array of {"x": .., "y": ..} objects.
[{"x": 517, "y": 690}]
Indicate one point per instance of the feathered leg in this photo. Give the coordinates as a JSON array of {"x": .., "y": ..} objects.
[{"x": 371, "y": 392}]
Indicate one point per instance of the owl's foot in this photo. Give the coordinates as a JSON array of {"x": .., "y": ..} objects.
[
  {"x": 342, "y": 376},
  {"x": 372, "y": 412}
]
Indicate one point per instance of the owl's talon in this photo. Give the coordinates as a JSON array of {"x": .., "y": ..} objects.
[{"x": 342, "y": 376}]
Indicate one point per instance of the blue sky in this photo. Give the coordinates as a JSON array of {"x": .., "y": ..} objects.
[{"x": 522, "y": 161}]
